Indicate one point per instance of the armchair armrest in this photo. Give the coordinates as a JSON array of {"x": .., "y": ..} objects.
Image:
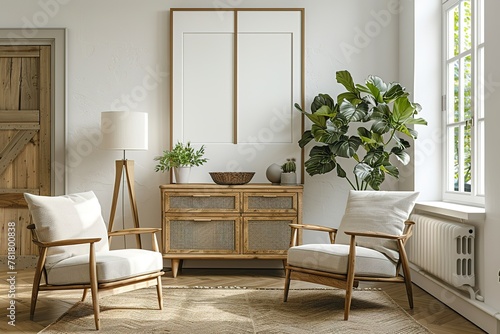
[
  {"x": 66, "y": 242},
  {"x": 296, "y": 227},
  {"x": 371, "y": 234},
  {"x": 136, "y": 231},
  {"x": 314, "y": 227},
  {"x": 139, "y": 230}
]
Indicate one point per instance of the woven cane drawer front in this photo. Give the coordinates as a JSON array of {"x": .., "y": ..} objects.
[
  {"x": 202, "y": 235},
  {"x": 267, "y": 235},
  {"x": 201, "y": 202},
  {"x": 270, "y": 202}
]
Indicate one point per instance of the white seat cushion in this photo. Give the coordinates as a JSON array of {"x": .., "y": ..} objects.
[
  {"x": 111, "y": 266},
  {"x": 333, "y": 258}
]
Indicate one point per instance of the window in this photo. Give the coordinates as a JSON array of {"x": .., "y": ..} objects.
[{"x": 463, "y": 100}]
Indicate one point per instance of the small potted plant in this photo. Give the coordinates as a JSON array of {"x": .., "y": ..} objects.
[
  {"x": 288, "y": 175},
  {"x": 181, "y": 158}
]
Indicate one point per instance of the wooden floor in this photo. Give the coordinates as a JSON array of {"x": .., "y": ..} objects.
[{"x": 428, "y": 311}]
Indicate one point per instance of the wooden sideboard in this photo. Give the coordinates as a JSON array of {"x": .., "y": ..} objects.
[{"x": 209, "y": 221}]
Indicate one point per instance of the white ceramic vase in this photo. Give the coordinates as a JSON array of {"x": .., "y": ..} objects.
[
  {"x": 182, "y": 174},
  {"x": 273, "y": 173}
]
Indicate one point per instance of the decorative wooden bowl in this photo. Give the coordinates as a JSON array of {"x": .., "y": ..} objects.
[{"x": 231, "y": 178}]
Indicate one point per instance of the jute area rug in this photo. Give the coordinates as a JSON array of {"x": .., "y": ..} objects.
[{"x": 239, "y": 310}]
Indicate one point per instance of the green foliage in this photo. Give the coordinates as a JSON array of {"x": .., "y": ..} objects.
[
  {"x": 289, "y": 166},
  {"x": 181, "y": 155},
  {"x": 386, "y": 113}
]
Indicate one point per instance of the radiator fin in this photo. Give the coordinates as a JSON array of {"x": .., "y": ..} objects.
[{"x": 443, "y": 248}]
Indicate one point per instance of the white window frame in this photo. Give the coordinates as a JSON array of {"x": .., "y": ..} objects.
[{"x": 476, "y": 195}]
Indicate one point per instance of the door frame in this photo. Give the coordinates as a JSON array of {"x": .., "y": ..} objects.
[{"x": 56, "y": 38}]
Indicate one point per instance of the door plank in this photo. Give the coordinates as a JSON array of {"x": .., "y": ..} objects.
[
  {"x": 14, "y": 147},
  {"x": 45, "y": 165},
  {"x": 19, "y": 116},
  {"x": 19, "y": 51}
]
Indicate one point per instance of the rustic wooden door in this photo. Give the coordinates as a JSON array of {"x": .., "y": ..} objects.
[{"x": 25, "y": 136}]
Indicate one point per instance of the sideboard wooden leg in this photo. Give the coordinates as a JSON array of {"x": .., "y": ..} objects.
[{"x": 175, "y": 266}]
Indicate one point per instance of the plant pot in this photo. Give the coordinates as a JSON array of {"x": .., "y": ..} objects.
[
  {"x": 182, "y": 174},
  {"x": 288, "y": 178}
]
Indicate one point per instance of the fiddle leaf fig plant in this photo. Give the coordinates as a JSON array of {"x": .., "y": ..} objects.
[{"x": 383, "y": 115}]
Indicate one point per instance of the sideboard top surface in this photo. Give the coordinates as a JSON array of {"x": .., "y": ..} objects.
[{"x": 248, "y": 186}]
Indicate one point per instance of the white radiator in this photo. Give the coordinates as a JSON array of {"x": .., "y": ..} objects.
[{"x": 443, "y": 248}]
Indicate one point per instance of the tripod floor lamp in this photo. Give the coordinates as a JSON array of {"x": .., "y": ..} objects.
[{"x": 124, "y": 130}]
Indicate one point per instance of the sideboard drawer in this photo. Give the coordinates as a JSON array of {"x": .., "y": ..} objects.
[
  {"x": 267, "y": 235},
  {"x": 201, "y": 235},
  {"x": 202, "y": 202},
  {"x": 270, "y": 202}
]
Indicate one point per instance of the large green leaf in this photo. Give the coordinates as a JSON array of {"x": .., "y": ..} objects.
[
  {"x": 349, "y": 96},
  {"x": 353, "y": 113},
  {"x": 322, "y": 100},
  {"x": 393, "y": 92},
  {"x": 391, "y": 170},
  {"x": 376, "y": 157},
  {"x": 341, "y": 172},
  {"x": 306, "y": 138},
  {"x": 376, "y": 82},
  {"x": 346, "y": 147},
  {"x": 375, "y": 91},
  {"x": 344, "y": 78},
  {"x": 321, "y": 160},
  {"x": 372, "y": 176},
  {"x": 401, "y": 155},
  {"x": 327, "y": 136},
  {"x": 403, "y": 110}
]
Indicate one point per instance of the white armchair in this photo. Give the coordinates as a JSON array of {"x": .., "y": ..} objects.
[
  {"x": 368, "y": 246},
  {"x": 74, "y": 251}
]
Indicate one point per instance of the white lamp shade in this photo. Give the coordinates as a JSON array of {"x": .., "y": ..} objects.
[{"x": 124, "y": 130}]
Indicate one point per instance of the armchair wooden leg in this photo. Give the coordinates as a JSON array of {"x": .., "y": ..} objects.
[
  {"x": 36, "y": 281},
  {"x": 94, "y": 286},
  {"x": 350, "y": 277},
  {"x": 84, "y": 294},
  {"x": 287, "y": 284},
  {"x": 159, "y": 292},
  {"x": 406, "y": 272}
]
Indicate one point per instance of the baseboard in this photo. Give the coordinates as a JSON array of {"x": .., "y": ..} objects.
[{"x": 482, "y": 315}]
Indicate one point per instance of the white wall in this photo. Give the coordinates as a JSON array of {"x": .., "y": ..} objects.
[
  {"x": 492, "y": 119},
  {"x": 118, "y": 58}
]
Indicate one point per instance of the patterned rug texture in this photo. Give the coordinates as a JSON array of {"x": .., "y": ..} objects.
[{"x": 239, "y": 310}]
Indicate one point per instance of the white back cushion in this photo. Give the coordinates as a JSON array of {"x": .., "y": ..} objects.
[
  {"x": 376, "y": 211},
  {"x": 72, "y": 216}
]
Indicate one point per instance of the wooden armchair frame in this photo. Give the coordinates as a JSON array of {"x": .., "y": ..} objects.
[
  {"x": 350, "y": 280},
  {"x": 97, "y": 289}
]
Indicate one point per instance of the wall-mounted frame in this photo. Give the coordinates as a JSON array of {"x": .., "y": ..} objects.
[{"x": 235, "y": 76}]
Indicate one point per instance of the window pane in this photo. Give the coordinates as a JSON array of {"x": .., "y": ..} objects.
[
  {"x": 455, "y": 137},
  {"x": 467, "y": 163},
  {"x": 466, "y": 22},
  {"x": 456, "y": 91},
  {"x": 480, "y": 84},
  {"x": 467, "y": 87},
  {"x": 454, "y": 31}
]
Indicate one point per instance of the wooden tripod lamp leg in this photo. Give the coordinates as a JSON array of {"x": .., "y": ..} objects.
[
  {"x": 118, "y": 177},
  {"x": 129, "y": 174}
]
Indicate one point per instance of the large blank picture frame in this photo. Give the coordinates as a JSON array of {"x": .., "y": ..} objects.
[{"x": 235, "y": 76}]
